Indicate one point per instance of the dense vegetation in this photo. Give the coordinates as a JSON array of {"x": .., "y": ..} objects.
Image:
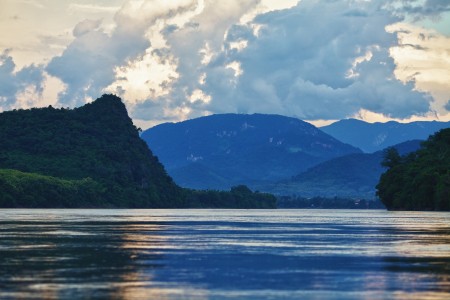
[
  {"x": 32, "y": 190},
  {"x": 19, "y": 189},
  {"x": 238, "y": 197},
  {"x": 90, "y": 156},
  {"x": 420, "y": 180}
]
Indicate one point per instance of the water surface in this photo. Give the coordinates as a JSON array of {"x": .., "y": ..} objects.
[{"x": 224, "y": 254}]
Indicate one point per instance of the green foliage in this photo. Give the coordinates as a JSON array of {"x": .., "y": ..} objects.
[
  {"x": 420, "y": 180},
  {"x": 90, "y": 156},
  {"x": 391, "y": 158},
  {"x": 21, "y": 189},
  {"x": 98, "y": 141},
  {"x": 239, "y": 197}
]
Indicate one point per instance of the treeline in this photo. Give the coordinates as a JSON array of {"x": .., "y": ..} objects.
[
  {"x": 90, "y": 156},
  {"x": 327, "y": 203},
  {"x": 19, "y": 189},
  {"x": 420, "y": 180},
  {"x": 238, "y": 197},
  {"x": 29, "y": 190}
]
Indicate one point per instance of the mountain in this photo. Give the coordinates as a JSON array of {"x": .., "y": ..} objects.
[
  {"x": 371, "y": 137},
  {"x": 420, "y": 180},
  {"x": 96, "y": 142},
  {"x": 92, "y": 156},
  {"x": 352, "y": 175},
  {"x": 220, "y": 151}
]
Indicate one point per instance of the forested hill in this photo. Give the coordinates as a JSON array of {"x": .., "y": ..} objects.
[
  {"x": 90, "y": 156},
  {"x": 96, "y": 142},
  {"x": 420, "y": 180}
]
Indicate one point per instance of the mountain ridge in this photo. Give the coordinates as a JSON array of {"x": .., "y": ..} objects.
[
  {"x": 372, "y": 137},
  {"x": 352, "y": 176},
  {"x": 241, "y": 148}
]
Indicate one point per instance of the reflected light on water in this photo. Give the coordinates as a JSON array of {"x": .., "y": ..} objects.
[{"x": 210, "y": 254}]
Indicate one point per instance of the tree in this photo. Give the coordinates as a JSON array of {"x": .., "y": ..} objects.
[
  {"x": 391, "y": 158},
  {"x": 421, "y": 180}
]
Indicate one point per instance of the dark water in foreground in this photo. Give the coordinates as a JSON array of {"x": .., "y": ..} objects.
[{"x": 221, "y": 254}]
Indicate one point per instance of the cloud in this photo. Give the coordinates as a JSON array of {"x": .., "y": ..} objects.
[
  {"x": 86, "y": 26},
  {"x": 190, "y": 45},
  {"x": 34, "y": 3},
  {"x": 423, "y": 57},
  {"x": 87, "y": 66},
  {"x": 421, "y": 9},
  {"x": 92, "y": 7},
  {"x": 13, "y": 83},
  {"x": 447, "y": 105},
  {"x": 318, "y": 60}
]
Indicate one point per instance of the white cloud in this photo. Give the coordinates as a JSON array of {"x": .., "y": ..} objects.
[
  {"x": 86, "y": 26},
  {"x": 199, "y": 96},
  {"x": 194, "y": 46},
  {"x": 144, "y": 78},
  {"x": 85, "y": 67},
  {"x": 300, "y": 61},
  {"x": 423, "y": 56},
  {"x": 88, "y": 64},
  {"x": 37, "y": 31},
  {"x": 317, "y": 59},
  {"x": 13, "y": 83},
  {"x": 90, "y": 8}
]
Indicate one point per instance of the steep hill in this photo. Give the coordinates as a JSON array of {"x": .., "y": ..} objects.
[
  {"x": 352, "y": 175},
  {"x": 92, "y": 156},
  {"x": 97, "y": 141},
  {"x": 220, "y": 151},
  {"x": 371, "y": 137},
  {"x": 420, "y": 180}
]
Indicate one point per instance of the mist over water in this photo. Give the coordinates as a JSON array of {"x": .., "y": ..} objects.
[{"x": 221, "y": 254}]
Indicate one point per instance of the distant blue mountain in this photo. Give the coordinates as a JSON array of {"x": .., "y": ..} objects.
[
  {"x": 371, "y": 137},
  {"x": 352, "y": 175},
  {"x": 220, "y": 151}
]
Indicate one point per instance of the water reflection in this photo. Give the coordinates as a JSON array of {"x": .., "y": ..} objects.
[
  {"x": 217, "y": 254},
  {"x": 83, "y": 259}
]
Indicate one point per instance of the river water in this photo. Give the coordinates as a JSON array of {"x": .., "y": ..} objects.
[{"x": 224, "y": 254}]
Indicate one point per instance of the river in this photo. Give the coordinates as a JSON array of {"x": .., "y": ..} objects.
[{"x": 224, "y": 254}]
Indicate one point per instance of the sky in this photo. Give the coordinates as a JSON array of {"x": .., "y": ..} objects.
[{"x": 317, "y": 60}]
